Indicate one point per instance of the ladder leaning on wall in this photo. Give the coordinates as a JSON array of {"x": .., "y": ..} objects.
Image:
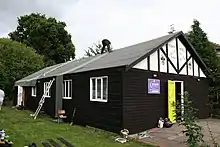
[{"x": 42, "y": 100}]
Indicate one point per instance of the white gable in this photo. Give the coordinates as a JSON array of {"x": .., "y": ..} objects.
[
  {"x": 163, "y": 60},
  {"x": 201, "y": 73},
  {"x": 154, "y": 61},
  {"x": 190, "y": 67},
  {"x": 142, "y": 65},
  {"x": 181, "y": 53},
  {"x": 172, "y": 54},
  {"x": 179, "y": 60}
]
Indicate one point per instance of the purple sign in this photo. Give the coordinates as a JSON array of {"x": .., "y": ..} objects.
[{"x": 153, "y": 86}]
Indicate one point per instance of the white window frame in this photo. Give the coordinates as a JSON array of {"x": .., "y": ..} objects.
[
  {"x": 69, "y": 89},
  {"x": 91, "y": 89},
  {"x": 47, "y": 94},
  {"x": 33, "y": 91}
]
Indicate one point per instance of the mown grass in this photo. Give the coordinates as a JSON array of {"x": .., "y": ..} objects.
[{"x": 23, "y": 130}]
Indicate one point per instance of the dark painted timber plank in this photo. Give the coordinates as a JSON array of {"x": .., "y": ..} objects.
[
  {"x": 46, "y": 144},
  {"x": 54, "y": 143},
  {"x": 65, "y": 142}
]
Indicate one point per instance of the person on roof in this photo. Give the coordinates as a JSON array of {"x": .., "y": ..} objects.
[{"x": 2, "y": 96}]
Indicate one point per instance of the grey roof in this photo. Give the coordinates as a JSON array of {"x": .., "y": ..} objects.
[
  {"x": 119, "y": 57},
  {"x": 124, "y": 56},
  {"x": 31, "y": 79},
  {"x": 127, "y": 56},
  {"x": 71, "y": 65}
]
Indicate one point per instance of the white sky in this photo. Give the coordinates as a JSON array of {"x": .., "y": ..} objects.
[{"x": 123, "y": 22}]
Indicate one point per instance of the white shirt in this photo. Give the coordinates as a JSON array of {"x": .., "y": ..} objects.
[{"x": 2, "y": 95}]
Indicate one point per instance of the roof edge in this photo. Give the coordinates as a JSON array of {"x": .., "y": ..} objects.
[
  {"x": 196, "y": 53},
  {"x": 153, "y": 50}
]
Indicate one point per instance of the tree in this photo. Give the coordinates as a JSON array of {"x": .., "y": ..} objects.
[
  {"x": 206, "y": 50},
  {"x": 192, "y": 130},
  {"x": 16, "y": 61},
  {"x": 95, "y": 50},
  {"x": 46, "y": 35}
]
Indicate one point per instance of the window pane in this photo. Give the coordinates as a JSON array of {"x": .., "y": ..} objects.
[
  {"x": 93, "y": 88},
  {"x": 70, "y": 88},
  {"x": 35, "y": 92},
  {"x": 105, "y": 88},
  {"x": 98, "y": 88},
  {"x": 45, "y": 84},
  {"x": 66, "y": 90},
  {"x": 48, "y": 89}
]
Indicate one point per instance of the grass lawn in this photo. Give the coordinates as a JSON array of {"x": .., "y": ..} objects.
[{"x": 23, "y": 130}]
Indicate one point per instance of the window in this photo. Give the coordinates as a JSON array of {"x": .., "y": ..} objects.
[
  {"x": 46, "y": 84},
  {"x": 67, "y": 89},
  {"x": 33, "y": 91},
  {"x": 99, "y": 89}
]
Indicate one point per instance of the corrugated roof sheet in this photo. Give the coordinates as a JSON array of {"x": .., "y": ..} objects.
[
  {"x": 116, "y": 58},
  {"x": 70, "y": 65},
  {"x": 124, "y": 56},
  {"x": 31, "y": 79}
]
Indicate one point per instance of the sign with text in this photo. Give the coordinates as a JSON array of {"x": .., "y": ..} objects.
[{"x": 153, "y": 86}]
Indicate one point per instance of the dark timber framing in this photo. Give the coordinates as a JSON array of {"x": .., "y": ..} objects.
[
  {"x": 148, "y": 62},
  {"x": 187, "y": 72},
  {"x": 184, "y": 40},
  {"x": 152, "y": 51},
  {"x": 193, "y": 67},
  {"x": 167, "y": 59},
  {"x": 178, "y": 69},
  {"x": 186, "y": 63},
  {"x": 158, "y": 59}
]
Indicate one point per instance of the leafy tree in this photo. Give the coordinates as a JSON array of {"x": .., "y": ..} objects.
[
  {"x": 16, "y": 61},
  {"x": 192, "y": 130},
  {"x": 207, "y": 51},
  {"x": 95, "y": 50},
  {"x": 46, "y": 35}
]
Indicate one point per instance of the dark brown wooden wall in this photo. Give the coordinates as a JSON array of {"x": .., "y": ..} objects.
[
  {"x": 68, "y": 104},
  {"x": 49, "y": 104},
  {"x": 107, "y": 116},
  {"x": 15, "y": 95},
  {"x": 31, "y": 102},
  {"x": 142, "y": 110}
]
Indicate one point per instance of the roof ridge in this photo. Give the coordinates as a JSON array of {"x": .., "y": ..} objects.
[
  {"x": 168, "y": 38},
  {"x": 173, "y": 34}
]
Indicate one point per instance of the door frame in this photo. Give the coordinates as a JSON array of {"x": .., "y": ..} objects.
[
  {"x": 19, "y": 95},
  {"x": 182, "y": 93}
]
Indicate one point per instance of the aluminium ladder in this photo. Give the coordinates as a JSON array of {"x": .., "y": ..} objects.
[{"x": 41, "y": 102}]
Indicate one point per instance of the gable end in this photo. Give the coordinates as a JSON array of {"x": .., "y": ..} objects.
[{"x": 175, "y": 56}]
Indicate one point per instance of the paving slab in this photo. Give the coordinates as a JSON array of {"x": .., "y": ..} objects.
[{"x": 173, "y": 137}]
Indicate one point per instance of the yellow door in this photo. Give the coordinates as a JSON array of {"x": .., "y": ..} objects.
[{"x": 171, "y": 101}]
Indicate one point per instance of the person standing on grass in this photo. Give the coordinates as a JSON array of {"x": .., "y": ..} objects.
[{"x": 2, "y": 96}]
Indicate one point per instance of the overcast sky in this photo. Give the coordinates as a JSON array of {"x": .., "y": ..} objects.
[{"x": 123, "y": 22}]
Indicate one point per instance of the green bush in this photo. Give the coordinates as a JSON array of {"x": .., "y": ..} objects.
[
  {"x": 16, "y": 61},
  {"x": 192, "y": 130}
]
